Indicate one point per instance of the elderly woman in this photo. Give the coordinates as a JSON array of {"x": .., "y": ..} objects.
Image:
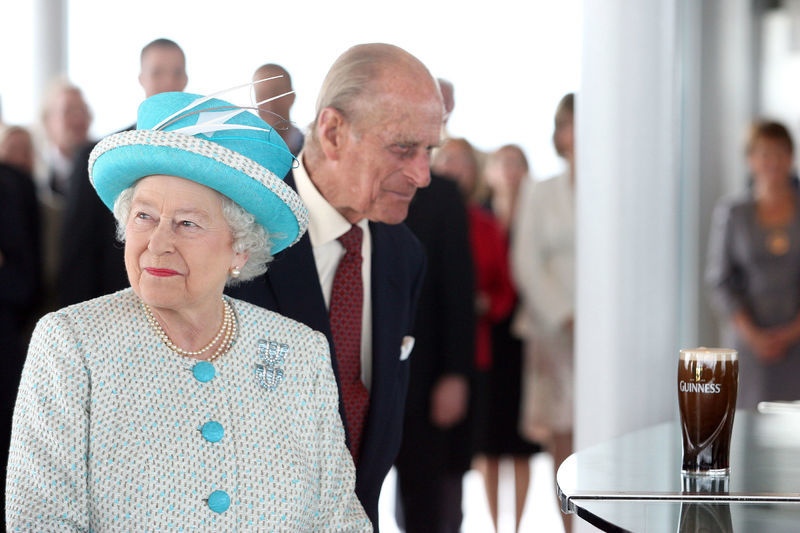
[{"x": 168, "y": 405}]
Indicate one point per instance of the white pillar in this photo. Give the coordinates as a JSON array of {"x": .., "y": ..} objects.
[
  {"x": 50, "y": 43},
  {"x": 646, "y": 116}
]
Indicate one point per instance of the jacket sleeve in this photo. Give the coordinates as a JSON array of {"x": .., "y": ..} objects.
[
  {"x": 46, "y": 486},
  {"x": 340, "y": 509},
  {"x": 723, "y": 275},
  {"x": 453, "y": 278}
]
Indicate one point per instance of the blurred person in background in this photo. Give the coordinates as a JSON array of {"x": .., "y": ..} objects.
[
  {"x": 66, "y": 119},
  {"x": 543, "y": 267},
  {"x": 753, "y": 265},
  {"x": 90, "y": 261},
  {"x": 162, "y": 67},
  {"x": 436, "y": 447},
  {"x": 493, "y": 303},
  {"x": 17, "y": 155},
  {"x": 19, "y": 287},
  {"x": 276, "y": 98},
  {"x": 500, "y": 440},
  {"x": 505, "y": 172},
  {"x": 17, "y": 148}
]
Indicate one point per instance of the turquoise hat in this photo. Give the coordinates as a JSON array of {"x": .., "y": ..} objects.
[{"x": 211, "y": 142}]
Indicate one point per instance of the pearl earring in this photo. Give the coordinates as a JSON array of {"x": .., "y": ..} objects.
[{"x": 235, "y": 272}]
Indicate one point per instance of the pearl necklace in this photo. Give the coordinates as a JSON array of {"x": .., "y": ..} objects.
[{"x": 227, "y": 332}]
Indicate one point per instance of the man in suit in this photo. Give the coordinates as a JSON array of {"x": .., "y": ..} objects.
[
  {"x": 437, "y": 441},
  {"x": 379, "y": 113},
  {"x": 19, "y": 285},
  {"x": 66, "y": 119},
  {"x": 91, "y": 259}
]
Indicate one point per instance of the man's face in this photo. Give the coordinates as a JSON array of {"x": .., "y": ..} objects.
[
  {"x": 68, "y": 120},
  {"x": 385, "y": 157},
  {"x": 276, "y": 112},
  {"x": 163, "y": 70},
  {"x": 16, "y": 149}
]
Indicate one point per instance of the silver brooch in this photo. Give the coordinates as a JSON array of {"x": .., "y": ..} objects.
[{"x": 273, "y": 355}]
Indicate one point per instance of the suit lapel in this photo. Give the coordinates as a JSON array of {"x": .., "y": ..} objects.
[
  {"x": 385, "y": 319},
  {"x": 295, "y": 284}
]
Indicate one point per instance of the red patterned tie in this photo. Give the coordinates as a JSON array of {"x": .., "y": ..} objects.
[{"x": 345, "y": 315}]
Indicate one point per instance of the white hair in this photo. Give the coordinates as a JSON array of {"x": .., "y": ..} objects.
[{"x": 248, "y": 235}]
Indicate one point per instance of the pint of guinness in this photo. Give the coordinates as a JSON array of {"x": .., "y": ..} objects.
[{"x": 708, "y": 380}]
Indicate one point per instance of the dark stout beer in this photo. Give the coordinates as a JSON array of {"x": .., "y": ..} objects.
[{"x": 708, "y": 380}]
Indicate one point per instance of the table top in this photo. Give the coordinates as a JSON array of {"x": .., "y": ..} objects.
[
  {"x": 670, "y": 517},
  {"x": 645, "y": 467}
]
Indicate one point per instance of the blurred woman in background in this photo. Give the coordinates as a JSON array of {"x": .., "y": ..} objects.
[
  {"x": 753, "y": 268},
  {"x": 543, "y": 264}
]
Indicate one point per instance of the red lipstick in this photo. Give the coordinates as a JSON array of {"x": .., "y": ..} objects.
[{"x": 161, "y": 272}]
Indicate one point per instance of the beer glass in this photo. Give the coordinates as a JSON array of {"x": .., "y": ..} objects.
[{"x": 708, "y": 380}]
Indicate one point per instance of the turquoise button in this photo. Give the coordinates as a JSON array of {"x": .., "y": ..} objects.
[
  {"x": 204, "y": 371},
  {"x": 212, "y": 431},
  {"x": 219, "y": 501}
]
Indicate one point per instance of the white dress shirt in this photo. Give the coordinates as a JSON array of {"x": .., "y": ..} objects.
[{"x": 325, "y": 226}]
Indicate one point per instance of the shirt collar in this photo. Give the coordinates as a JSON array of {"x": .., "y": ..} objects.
[{"x": 325, "y": 223}]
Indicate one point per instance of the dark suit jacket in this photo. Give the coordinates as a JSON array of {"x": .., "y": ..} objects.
[
  {"x": 445, "y": 324},
  {"x": 19, "y": 290},
  {"x": 21, "y": 234},
  {"x": 92, "y": 260},
  {"x": 291, "y": 287},
  {"x": 445, "y": 333}
]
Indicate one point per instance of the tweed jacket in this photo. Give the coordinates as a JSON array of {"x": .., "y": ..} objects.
[{"x": 114, "y": 432}]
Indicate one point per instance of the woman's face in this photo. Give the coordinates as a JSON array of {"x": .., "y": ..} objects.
[
  {"x": 505, "y": 170},
  {"x": 455, "y": 161},
  {"x": 178, "y": 245},
  {"x": 770, "y": 161},
  {"x": 564, "y": 135}
]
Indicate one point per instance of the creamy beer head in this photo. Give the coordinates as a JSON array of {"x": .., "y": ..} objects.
[
  {"x": 703, "y": 362},
  {"x": 703, "y": 353},
  {"x": 708, "y": 382}
]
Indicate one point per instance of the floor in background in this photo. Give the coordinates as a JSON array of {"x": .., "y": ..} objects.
[{"x": 541, "y": 509}]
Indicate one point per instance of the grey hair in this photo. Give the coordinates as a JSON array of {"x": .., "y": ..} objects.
[
  {"x": 350, "y": 85},
  {"x": 248, "y": 235}
]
